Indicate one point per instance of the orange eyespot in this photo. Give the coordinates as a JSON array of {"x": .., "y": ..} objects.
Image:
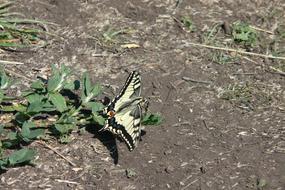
[{"x": 111, "y": 113}]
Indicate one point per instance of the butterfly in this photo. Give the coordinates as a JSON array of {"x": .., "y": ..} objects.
[{"x": 124, "y": 112}]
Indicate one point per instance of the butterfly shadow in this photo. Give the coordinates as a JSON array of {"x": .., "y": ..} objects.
[{"x": 107, "y": 139}]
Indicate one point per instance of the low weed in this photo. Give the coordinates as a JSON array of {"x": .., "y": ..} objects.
[
  {"x": 222, "y": 58},
  {"x": 19, "y": 32},
  {"x": 245, "y": 95},
  {"x": 242, "y": 33},
  {"x": 188, "y": 23}
]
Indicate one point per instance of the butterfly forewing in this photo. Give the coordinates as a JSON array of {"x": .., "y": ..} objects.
[{"x": 131, "y": 89}]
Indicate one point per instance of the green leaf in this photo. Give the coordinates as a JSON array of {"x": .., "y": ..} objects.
[
  {"x": 75, "y": 85},
  {"x": 12, "y": 140},
  {"x": 98, "y": 119},
  {"x": 95, "y": 106},
  {"x": 25, "y": 132},
  {"x": 34, "y": 133},
  {"x": 87, "y": 91},
  {"x": 21, "y": 117},
  {"x": 27, "y": 93},
  {"x": 58, "y": 101},
  {"x": 243, "y": 33},
  {"x": 34, "y": 97},
  {"x": 65, "y": 124},
  {"x": 1, "y": 95},
  {"x": 4, "y": 80},
  {"x": 96, "y": 90},
  {"x": 54, "y": 83},
  {"x": 21, "y": 156},
  {"x": 3, "y": 164},
  {"x": 58, "y": 79},
  {"x": 188, "y": 23},
  {"x": 1, "y": 129},
  {"x": 38, "y": 85},
  {"x": 29, "y": 132},
  {"x": 152, "y": 119},
  {"x": 66, "y": 118},
  {"x": 35, "y": 107},
  {"x": 36, "y": 102},
  {"x": 64, "y": 70},
  {"x": 14, "y": 107},
  {"x": 48, "y": 106},
  {"x": 64, "y": 128}
]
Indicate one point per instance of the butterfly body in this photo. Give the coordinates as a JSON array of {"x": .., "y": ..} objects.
[{"x": 124, "y": 112}]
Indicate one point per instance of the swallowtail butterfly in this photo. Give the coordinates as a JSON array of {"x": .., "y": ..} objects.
[{"x": 124, "y": 112}]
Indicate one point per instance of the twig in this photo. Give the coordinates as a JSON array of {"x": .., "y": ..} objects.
[
  {"x": 193, "y": 80},
  {"x": 18, "y": 75},
  {"x": 55, "y": 151},
  {"x": 190, "y": 184},
  {"x": 249, "y": 60},
  {"x": 278, "y": 71},
  {"x": 236, "y": 51},
  {"x": 179, "y": 124},
  {"x": 66, "y": 181},
  {"x": 11, "y": 62},
  {"x": 180, "y": 24},
  {"x": 262, "y": 30},
  {"x": 244, "y": 73},
  {"x": 105, "y": 55},
  {"x": 206, "y": 126}
]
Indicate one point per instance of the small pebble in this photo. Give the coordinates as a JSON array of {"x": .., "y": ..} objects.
[
  {"x": 130, "y": 172},
  {"x": 202, "y": 169},
  {"x": 178, "y": 143},
  {"x": 167, "y": 152},
  {"x": 169, "y": 169},
  {"x": 155, "y": 93}
]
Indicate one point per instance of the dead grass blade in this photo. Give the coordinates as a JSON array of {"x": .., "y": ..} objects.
[
  {"x": 55, "y": 151},
  {"x": 235, "y": 51},
  {"x": 11, "y": 62}
]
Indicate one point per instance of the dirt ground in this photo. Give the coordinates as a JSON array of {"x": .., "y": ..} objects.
[{"x": 205, "y": 142}]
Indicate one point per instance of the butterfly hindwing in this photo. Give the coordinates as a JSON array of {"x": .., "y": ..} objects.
[{"x": 131, "y": 122}]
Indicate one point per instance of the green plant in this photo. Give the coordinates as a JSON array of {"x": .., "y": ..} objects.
[
  {"x": 152, "y": 119},
  {"x": 239, "y": 94},
  {"x": 4, "y": 83},
  {"x": 48, "y": 99},
  {"x": 244, "y": 34},
  {"x": 19, "y": 32},
  {"x": 245, "y": 95},
  {"x": 222, "y": 58},
  {"x": 188, "y": 23},
  {"x": 22, "y": 156},
  {"x": 110, "y": 35},
  {"x": 281, "y": 31},
  {"x": 211, "y": 34}
]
